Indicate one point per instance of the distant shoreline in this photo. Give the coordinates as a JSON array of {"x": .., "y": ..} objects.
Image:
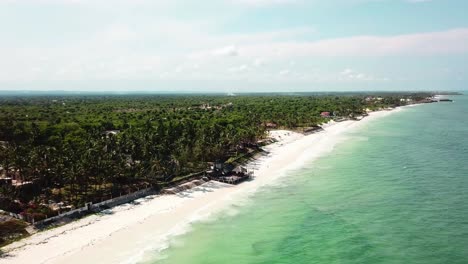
[{"x": 130, "y": 228}]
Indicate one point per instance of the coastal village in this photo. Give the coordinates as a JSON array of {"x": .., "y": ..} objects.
[{"x": 232, "y": 171}]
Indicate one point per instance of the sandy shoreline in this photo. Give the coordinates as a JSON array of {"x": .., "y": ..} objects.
[{"x": 124, "y": 233}]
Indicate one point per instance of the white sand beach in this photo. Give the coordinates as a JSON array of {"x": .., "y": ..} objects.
[{"x": 125, "y": 233}]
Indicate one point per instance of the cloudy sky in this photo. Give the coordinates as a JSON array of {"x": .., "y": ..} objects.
[{"x": 233, "y": 45}]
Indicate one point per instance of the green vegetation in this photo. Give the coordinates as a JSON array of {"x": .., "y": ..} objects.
[
  {"x": 11, "y": 230},
  {"x": 77, "y": 149}
]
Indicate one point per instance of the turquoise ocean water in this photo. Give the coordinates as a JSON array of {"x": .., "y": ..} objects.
[{"x": 395, "y": 192}]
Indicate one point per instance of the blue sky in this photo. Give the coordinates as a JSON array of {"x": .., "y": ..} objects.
[{"x": 233, "y": 45}]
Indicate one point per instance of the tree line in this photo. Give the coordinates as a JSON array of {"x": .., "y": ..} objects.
[{"x": 76, "y": 149}]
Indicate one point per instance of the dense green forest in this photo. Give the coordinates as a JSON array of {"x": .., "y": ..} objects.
[{"x": 77, "y": 149}]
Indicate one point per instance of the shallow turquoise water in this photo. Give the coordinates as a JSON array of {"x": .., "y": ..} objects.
[{"x": 396, "y": 192}]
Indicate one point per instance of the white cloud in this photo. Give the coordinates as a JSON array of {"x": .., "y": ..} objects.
[
  {"x": 352, "y": 75},
  {"x": 109, "y": 54},
  {"x": 164, "y": 46},
  {"x": 238, "y": 69},
  {"x": 347, "y": 72},
  {"x": 284, "y": 72},
  {"x": 258, "y": 62},
  {"x": 226, "y": 51},
  {"x": 114, "y": 53},
  {"x": 453, "y": 41}
]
